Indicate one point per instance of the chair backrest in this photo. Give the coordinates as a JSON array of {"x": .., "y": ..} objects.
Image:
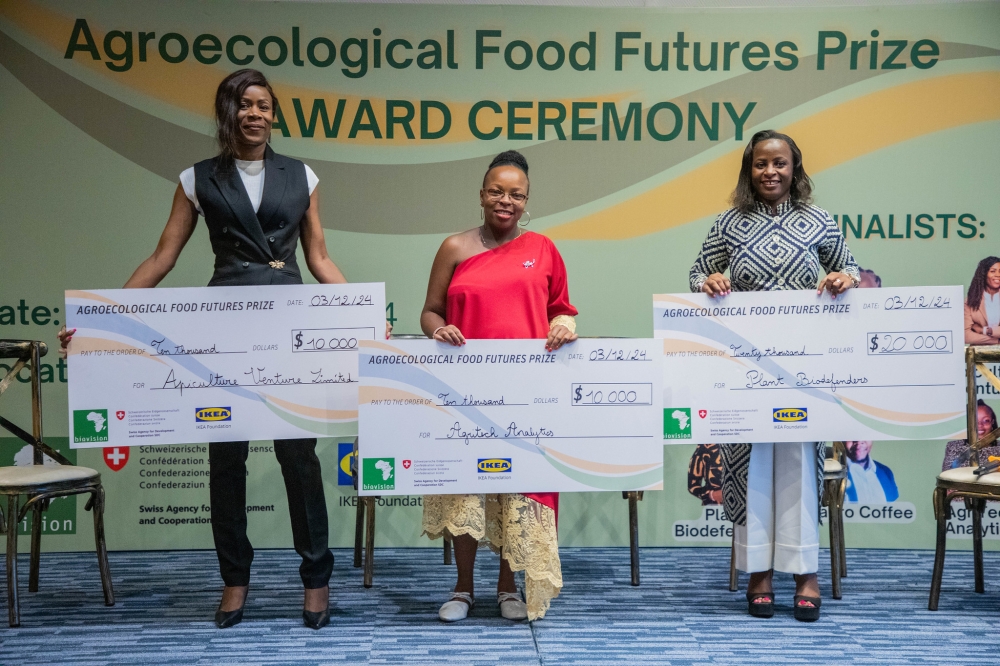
[
  {"x": 28, "y": 354},
  {"x": 976, "y": 357},
  {"x": 838, "y": 452}
]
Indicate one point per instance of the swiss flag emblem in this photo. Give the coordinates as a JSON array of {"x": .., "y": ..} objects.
[
  {"x": 120, "y": 414},
  {"x": 407, "y": 463},
  {"x": 702, "y": 413},
  {"x": 116, "y": 457}
]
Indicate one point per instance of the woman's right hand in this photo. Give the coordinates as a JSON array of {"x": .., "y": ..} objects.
[
  {"x": 717, "y": 284},
  {"x": 450, "y": 334},
  {"x": 64, "y": 338}
]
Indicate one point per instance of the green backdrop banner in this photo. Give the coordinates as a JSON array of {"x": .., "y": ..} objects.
[{"x": 633, "y": 121}]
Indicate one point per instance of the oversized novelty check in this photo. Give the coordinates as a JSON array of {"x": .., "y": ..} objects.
[
  {"x": 780, "y": 366},
  {"x": 504, "y": 416},
  {"x": 217, "y": 364}
]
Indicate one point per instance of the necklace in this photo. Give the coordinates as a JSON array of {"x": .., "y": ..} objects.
[{"x": 482, "y": 237}]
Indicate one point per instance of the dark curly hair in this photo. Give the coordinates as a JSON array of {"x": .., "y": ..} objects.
[
  {"x": 978, "y": 284},
  {"x": 993, "y": 415},
  {"x": 227, "y": 109},
  {"x": 507, "y": 158},
  {"x": 744, "y": 198}
]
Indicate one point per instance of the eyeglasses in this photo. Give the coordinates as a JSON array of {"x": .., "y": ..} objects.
[{"x": 497, "y": 195}]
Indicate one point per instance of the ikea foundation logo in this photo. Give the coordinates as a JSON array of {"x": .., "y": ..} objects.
[
  {"x": 494, "y": 465},
  {"x": 789, "y": 414},
  {"x": 345, "y": 456},
  {"x": 212, "y": 414}
]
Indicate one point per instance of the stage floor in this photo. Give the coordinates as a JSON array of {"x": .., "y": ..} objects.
[{"x": 681, "y": 614}]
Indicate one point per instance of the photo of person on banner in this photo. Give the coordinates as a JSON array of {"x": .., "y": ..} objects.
[
  {"x": 705, "y": 474},
  {"x": 957, "y": 452},
  {"x": 982, "y": 305},
  {"x": 868, "y": 481}
]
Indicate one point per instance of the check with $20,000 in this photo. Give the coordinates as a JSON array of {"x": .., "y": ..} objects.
[
  {"x": 217, "y": 364},
  {"x": 505, "y": 416},
  {"x": 791, "y": 366}
]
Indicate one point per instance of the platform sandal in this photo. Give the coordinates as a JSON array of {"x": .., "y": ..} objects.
[
  {"x": 759, "y": 608},
  {"x": 807, "y": 613}
]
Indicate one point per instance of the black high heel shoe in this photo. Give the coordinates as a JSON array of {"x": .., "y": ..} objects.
[
  {"x": 316, "y": 620},
  {"x": 226, "y": 619}
]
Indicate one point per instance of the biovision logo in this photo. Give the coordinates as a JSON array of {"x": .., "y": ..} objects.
[
  {"x": 677, "y": 423},
  {"x": 378, "y": 474},
  {"x": 90, "y": 425}
]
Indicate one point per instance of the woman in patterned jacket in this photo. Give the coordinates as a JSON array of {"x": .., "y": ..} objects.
[{"x": 773, "y": 238}]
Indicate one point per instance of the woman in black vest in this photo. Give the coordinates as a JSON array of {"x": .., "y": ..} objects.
[{"x": 257, "y": 206}]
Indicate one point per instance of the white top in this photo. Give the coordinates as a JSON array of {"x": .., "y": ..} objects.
[
  {"x": 992, "y": 302},
  {"x": 252, "y": 175},
  {"x": 867, "y": 487}
]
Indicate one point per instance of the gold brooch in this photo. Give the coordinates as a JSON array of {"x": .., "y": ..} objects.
[{"x": 276, "y": 264}]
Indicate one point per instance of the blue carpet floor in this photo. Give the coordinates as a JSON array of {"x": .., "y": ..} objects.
[{"x": 681, "y": 614}]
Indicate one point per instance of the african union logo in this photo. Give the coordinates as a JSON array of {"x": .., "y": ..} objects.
[
  {"x": 345, "y": 454},
  {"x": 789, "y": 414},
  {"x": 206, "y": 414},
  {"x": 494, "y": 465}
]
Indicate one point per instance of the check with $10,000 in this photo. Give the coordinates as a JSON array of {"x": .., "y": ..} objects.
[
  {"x": 791, "y": 366},
  {"x": 505, "y": 416},
  {"x": 217, "y": 364}
]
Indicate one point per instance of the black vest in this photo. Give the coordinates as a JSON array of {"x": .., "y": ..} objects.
[{"x": 249, "y": 247}]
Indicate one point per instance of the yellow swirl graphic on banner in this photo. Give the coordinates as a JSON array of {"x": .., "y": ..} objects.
[{"x": 828, "y": 138}]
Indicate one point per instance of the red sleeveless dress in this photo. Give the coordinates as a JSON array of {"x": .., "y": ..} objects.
[{"x": 512, "y": 291}]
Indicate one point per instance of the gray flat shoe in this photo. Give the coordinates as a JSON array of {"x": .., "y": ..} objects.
[
  {"x": 457, "y": 608},
  {"x": 511, "y": 606}
]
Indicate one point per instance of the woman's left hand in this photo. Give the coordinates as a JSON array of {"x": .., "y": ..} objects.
[
  {"x": 558, "y": 336},
  {"x": 388, "y": 330},
  {"x": 835, "y": 283}
]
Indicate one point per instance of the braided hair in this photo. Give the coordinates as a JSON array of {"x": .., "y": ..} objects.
[{"x": 508, "y": 158}]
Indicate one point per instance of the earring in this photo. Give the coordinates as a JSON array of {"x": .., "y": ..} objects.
[
  {"x": 529, "y": 219},
  {"x": 482, "y": 213}
]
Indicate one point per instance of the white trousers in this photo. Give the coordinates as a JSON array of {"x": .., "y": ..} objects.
[{"x": 782, "y": 530}]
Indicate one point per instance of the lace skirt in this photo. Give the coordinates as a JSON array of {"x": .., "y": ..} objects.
[{"x": 520, "y": 530}]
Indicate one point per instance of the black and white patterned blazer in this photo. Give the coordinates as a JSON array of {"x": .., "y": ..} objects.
[{"x": 765, "y": 252}]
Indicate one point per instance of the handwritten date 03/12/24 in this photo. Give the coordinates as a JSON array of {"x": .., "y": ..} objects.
[{"x": 613, "y": 354}]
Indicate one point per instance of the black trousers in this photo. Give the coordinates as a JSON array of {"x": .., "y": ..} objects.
[{"x": 306, "y": 505}]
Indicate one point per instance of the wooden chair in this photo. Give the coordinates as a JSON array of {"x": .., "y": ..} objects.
[
  {"x": 975, "y": 484},
  {"x": 633, "y": 497},
  {"x": 834, "y": 487},
  {"x": 41, "y": 483}
]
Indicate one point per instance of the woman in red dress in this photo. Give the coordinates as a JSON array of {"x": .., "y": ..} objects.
[{"x": 492, "y": 282}]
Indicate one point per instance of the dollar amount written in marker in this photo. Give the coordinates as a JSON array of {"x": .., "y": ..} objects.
[
  {"x": 909, "y": 342},
  {"x": 611, "y": 394},
  {"x": 329, "y": 339}
]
